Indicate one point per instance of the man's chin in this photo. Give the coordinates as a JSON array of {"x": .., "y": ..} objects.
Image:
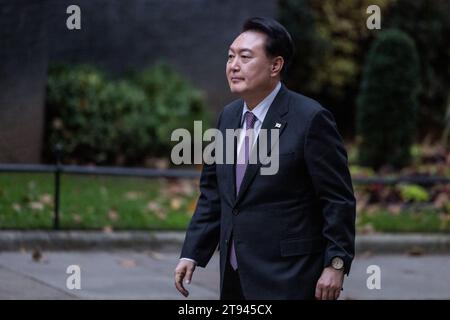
[{"x": 236, "y": 90}]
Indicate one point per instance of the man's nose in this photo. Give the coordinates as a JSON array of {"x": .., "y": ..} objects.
[{"x": 234, "y": 64}]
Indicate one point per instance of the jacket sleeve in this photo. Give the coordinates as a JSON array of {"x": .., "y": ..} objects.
[
  {"x": 327, "y": 163},
  {"x": 202, "y": 235}
]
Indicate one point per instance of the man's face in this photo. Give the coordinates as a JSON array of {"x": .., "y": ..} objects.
[{"x": 248, "y": 67}]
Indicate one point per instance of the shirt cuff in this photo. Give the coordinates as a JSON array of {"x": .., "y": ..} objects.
[{"x": 189, "y": 260}]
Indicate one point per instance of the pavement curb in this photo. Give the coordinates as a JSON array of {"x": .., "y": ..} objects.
[
  {"x": 403, "y": 243},
  {"x": 96, "y": 240},
  {"x": 88, "y": 240}
]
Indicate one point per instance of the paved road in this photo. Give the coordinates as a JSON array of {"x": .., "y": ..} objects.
[{"x": 148, "y": 275}]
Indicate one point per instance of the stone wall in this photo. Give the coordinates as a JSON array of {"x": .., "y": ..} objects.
[{"x": 23, "y": 75}]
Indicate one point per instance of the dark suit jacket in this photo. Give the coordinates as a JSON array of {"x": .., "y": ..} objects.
[{"x": 286, "y": 227}]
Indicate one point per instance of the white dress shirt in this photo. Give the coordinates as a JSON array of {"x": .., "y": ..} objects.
[{"x": 260, "y": 112}]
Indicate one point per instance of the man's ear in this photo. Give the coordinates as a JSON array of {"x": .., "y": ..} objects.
[{"x": 277, "y": 66}]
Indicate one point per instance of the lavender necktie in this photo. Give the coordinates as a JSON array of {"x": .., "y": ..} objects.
[{"x": 250, "y": 120}]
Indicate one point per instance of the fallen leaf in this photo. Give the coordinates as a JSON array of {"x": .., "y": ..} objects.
[
  {"x": 368, "y": 229},
  {"x": 191, "y": 207},
  {"x": 153, "y": 206},
  {"x": 362, "y": 202},
  {"x": 160, "y": 214},
  {"x": 445, "y": 220},
  {"x": 371, "y": 209},
  {"x": 366, "y": 254},
  {"x": 76, "y": 218},
  {"x": 16, "y": 207},
  {"x": 128, "y": 263},
  {"x": 46, "y": 199},
  {"x": 395, "y": 208},
  {"x": 441, "y": 200},
  {"x": 188, "y": 187},
  {"x": 36, "y": 206},
  {"x": 132, "y": 195},
  {"x": 385, "y": 193},
  {"x": 408, "y": 271},
  {"x": 156, "y": 255},
  {"x": 36, "y": 255},
  {"x": 175, "y": 187},
  {"x": 416, "y": 251},
  {"x": 113, "y": 215},
  {"x": 107, "y": 229},
  {"x": 175, "y": 203}
]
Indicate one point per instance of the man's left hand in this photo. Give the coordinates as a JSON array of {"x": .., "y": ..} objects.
[{"x": 330, "y": 283}]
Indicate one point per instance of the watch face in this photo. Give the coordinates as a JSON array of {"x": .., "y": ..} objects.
[{"x": 337, "y": 263}]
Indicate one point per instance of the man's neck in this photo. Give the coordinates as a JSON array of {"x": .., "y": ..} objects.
[{"x": 253, "y": 100}]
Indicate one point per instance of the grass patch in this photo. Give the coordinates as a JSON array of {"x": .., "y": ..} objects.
[
  {"x": 96, "y": 202},
  {"x": 404, "y": 221},
  {"x": 104, "y": 203}
]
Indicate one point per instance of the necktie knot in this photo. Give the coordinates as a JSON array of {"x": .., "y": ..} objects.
[{"x": 250, "y": 120}]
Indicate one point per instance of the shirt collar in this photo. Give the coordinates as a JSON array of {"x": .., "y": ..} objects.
[{"x": 261, "y": 109}]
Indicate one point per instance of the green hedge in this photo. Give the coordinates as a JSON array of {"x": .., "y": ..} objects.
[
  {"x": 387, "y": 102},
  {"x": 103, "y": 121},
  {"x": 176, "y": 104}
]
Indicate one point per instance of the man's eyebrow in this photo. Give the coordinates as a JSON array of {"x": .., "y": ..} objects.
[{"x": 241, "y": 50}]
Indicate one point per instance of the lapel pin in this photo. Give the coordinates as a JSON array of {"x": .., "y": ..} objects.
[{"x": 277, "y": 125}]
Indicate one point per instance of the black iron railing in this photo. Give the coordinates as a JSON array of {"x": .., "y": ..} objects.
[{"x": 58, "y": 168}]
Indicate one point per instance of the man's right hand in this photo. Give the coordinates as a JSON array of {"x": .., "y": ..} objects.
[{"x": 184, "y": 269}]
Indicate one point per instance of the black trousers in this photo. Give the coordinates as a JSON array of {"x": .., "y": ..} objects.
[{"x": 232, "y": 289}]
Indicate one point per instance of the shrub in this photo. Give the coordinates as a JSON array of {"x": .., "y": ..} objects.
[
  {"x": 96, "y": 120},
  {"x": 176, "y": 103},
  {"x": 101, "y": 121},
  {"x": 387, "y": 102},
  {"x": 428, "y": 23}
]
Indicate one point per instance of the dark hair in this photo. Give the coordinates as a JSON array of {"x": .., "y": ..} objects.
[{"x": 279, "y": 41}]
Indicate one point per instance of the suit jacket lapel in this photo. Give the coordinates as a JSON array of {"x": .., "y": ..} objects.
[{"x": 273, "y": 120}]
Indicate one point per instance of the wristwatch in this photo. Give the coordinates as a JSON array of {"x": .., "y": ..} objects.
[{"x": 337, "y": 263}]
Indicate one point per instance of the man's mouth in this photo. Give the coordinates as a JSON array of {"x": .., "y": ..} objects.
[{"x": 236, "y": 79}]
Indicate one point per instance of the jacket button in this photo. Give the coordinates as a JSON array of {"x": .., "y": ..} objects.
[{"x": 235, "y": 212}]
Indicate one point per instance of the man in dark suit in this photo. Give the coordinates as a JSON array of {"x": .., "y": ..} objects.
[{"x": 288, "y": 235}]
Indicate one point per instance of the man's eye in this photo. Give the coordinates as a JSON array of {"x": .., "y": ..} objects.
[
  {"x": 230, "y": 56},
  {"x": 245, "y": 57}
]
